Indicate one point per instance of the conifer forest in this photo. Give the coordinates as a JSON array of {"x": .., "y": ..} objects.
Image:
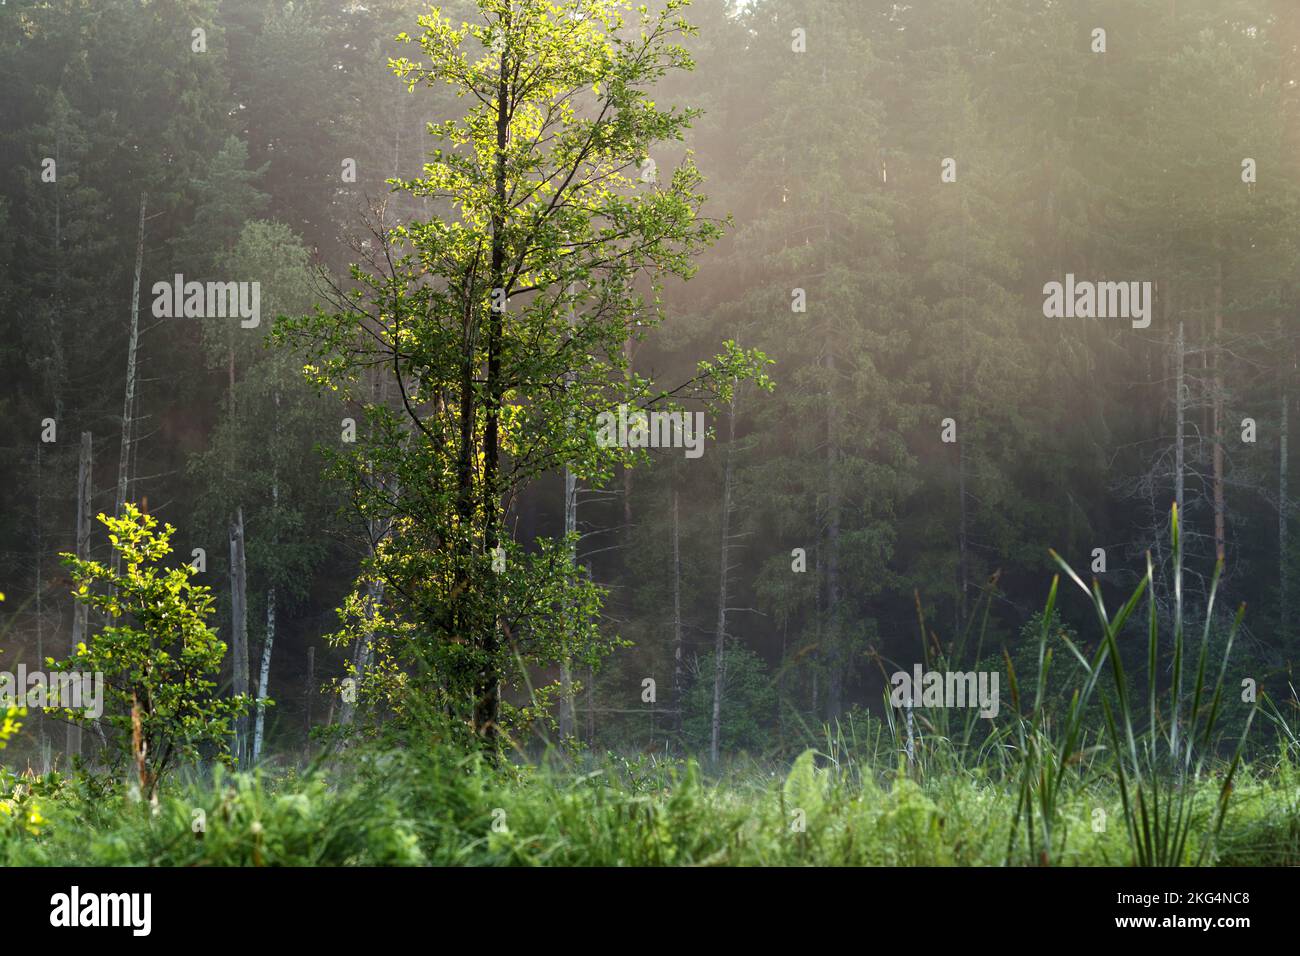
[{"x": 636, "y": 433}]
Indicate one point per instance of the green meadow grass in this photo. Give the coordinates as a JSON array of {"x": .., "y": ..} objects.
[
  {"x": 439, "y": 809},
  {"x": 1156, "y": 780}
]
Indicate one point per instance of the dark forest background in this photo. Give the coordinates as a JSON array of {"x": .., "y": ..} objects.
[{"x": 923, "y": 303}]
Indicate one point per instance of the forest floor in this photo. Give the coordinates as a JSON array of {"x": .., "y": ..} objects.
[{"x": 412, "y": 808}]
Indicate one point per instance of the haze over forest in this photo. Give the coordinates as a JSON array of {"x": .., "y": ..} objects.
[{"x": 857, "y": 234}]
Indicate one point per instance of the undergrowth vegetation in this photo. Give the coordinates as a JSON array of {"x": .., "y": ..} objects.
[
  {"x": 1157, "y": 781},
  {"x": 411, "y": 808}
]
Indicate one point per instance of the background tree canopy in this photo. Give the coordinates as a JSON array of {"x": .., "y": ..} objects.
[{"x": 872, "y": 195}]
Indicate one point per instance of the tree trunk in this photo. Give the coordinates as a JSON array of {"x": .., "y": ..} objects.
[
  {"x": 128, "y": 403},
  {"x": 1220, "y": 510},
  {"x": 1283, "y": 595},
  {"x": 834, "y": 655},
  {"x": 239, "y": 631},
  {"x": 80, "y": 610},
  {"x": 818, "y": 627},
  {"x": 679, "y": 663},
  {"x": 269, "y": 642},
  {"x": 264, "y": 676},
  {"x": 310, "y": 695},
  {"x": 627, "y": 472},
  {"x": 488, "y": 693},
  {"x": 39, "y": 561},
  {"x": 1283, "y": 491},
  {"x": 591, "y": 690},
  {"x": 1180, "y": 415},
  {"x": 963, "y": 559},
  {"x": 720, "y": 636},
  {"x": 567, "y": 716},
  {"x": 363, "y": 649}
]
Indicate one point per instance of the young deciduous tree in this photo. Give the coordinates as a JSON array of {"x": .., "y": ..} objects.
[
  {"x": 159, "y": 657},
  {"x": 502, "y": 323}
]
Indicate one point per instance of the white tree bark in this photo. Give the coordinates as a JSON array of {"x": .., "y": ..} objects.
[
  {"x": 269, "y": 643},
  {"x": 239, "y": 631},
  {"x": 128, "y": 402},
  {"x": 264, "y": 675}
]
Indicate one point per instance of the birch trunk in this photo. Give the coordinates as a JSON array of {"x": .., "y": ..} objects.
[
  {"x": 264, "y": 676},
  {"x": 239, "y": 631},
  {"x": 269, "y": 643}
]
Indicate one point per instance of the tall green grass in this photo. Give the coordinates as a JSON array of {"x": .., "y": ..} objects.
[
  {"x": 1156, "y": 747},
  {"x": 1040, "y": 785}
]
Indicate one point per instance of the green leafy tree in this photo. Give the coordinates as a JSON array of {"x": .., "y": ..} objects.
[
  {"x": 501, "y": 327},
  {"x": 750, "y": 701},
  {"x": 159, "y": 664}
]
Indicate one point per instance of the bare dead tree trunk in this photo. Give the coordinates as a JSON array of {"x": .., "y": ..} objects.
[
  {"x": 591, "y": 705},
  {"x": 239, "y": 631},
  {"x": 679, "y": 663},
  {"x": 567, "y": 716},
  {"x": 720, "y": 636},
  {"x": 128, "y": 403},
  {"x": 1220, "y": 508},
  {"x": 817, "y": 633},
  {"x": 1282, "y": 516},
  {"x": 835, "y": 655},
  {"x": 1180, "y": 416},
  {"x": 81, "y": 610},
  {"x": 269, "y": 644},
  {"x": 39, "y": 561},
  {"x": 591, "y": 691},
  {"x": 1287, "y": 18},
  {"x": 1283, "y": 476},
  {"x": 264, "y": 675},
  {"x": 311, "y": 692},
  {"x": 963, "y": 551},
  {"x": 963, "y": 560}
]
